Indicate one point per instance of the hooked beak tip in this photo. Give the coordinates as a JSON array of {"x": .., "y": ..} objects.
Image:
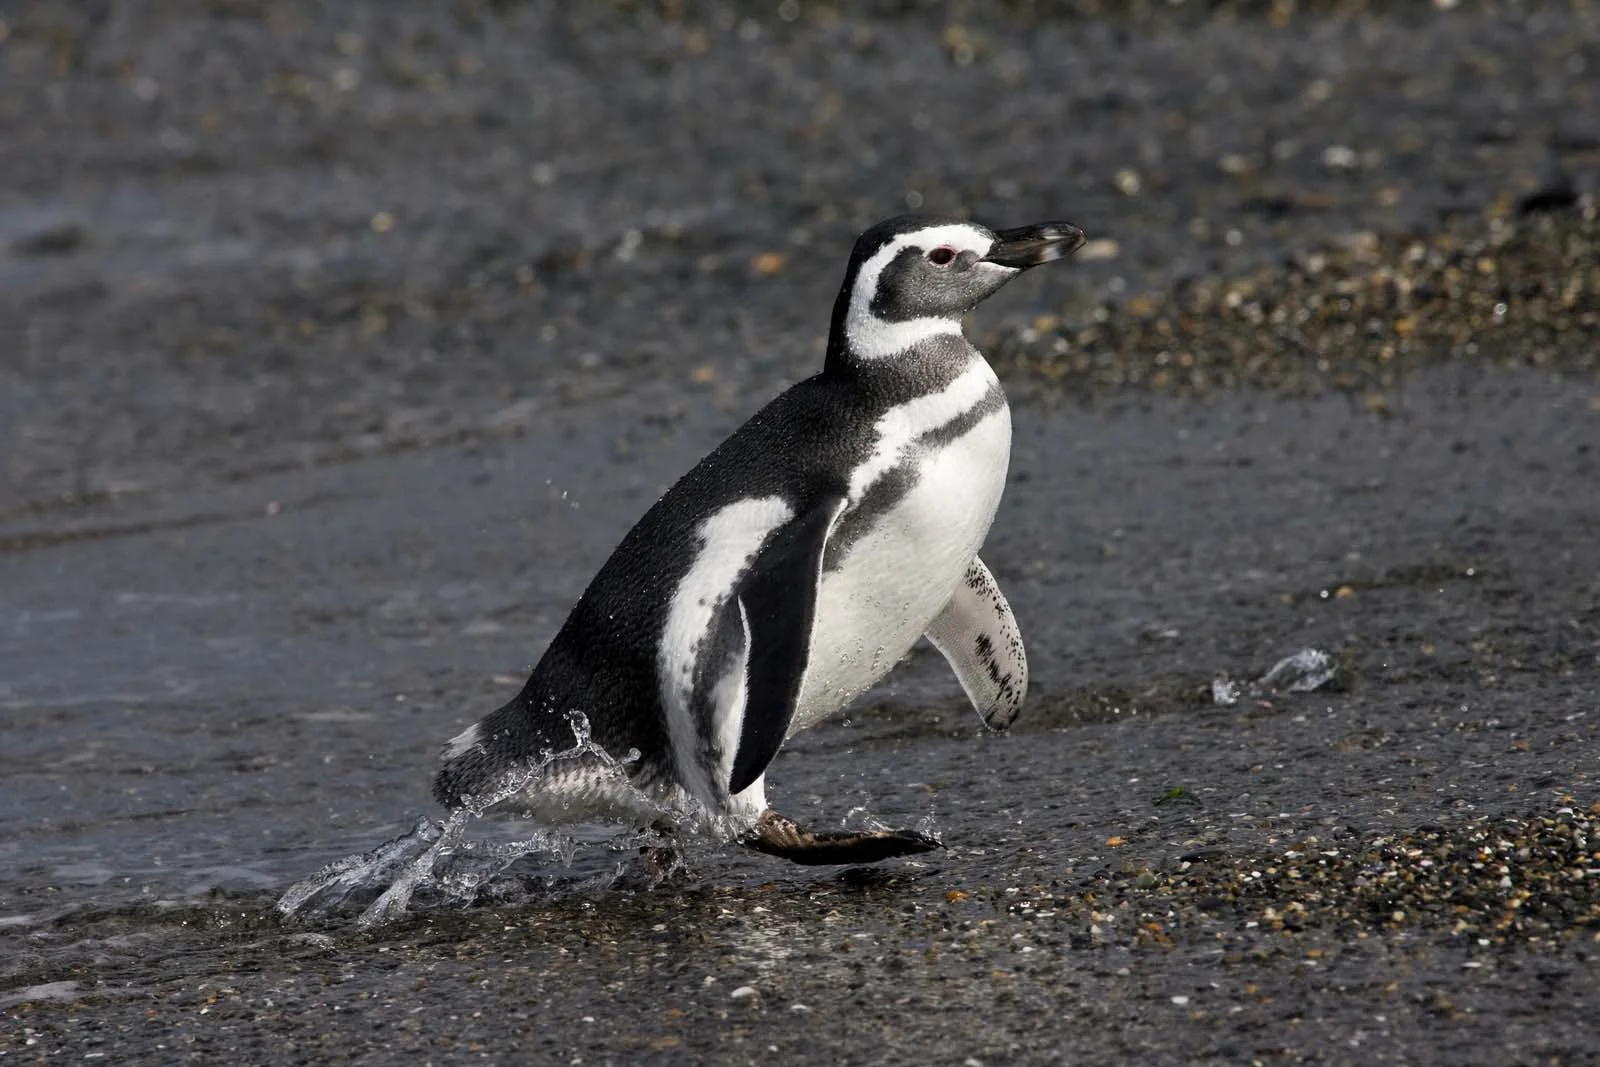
[{"x": 1029, "y": 246}]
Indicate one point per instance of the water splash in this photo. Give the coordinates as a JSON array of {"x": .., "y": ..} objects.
[
  {"x": 1224, "y": 691},
  {"x": 355, "y": 875},
  {"x": 436, "y": 864},
  {"x": 860, "y": 817},
  {"x": 1305, "y": 671}
]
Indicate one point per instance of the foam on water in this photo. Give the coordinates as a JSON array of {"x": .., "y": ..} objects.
[{"x": 436, "y": 864}]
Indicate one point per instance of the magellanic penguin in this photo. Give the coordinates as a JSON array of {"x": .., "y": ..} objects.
[{"x": 793, "y": 566}]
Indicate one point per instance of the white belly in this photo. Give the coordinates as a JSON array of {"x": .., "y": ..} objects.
[{"x": 903, "y": 571}]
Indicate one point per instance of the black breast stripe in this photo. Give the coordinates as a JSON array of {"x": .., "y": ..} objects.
[
  {"x": 890, "y": 488},
  {"x": 964, "y": 423}
]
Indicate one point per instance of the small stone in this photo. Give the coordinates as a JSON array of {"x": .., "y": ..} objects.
[
  {"x": 1232, "y": 163},
  {"x": 1340, "y": 157},
  {"x": 1099, "y": 249}
]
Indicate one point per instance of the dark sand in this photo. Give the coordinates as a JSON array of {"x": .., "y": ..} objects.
[{"x": 343, "y": 341}]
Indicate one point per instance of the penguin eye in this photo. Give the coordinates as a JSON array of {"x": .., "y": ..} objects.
[{"x": 941, "y": 255}]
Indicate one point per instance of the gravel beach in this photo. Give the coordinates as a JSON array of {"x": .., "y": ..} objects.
[{"x": 340, "y": 343}]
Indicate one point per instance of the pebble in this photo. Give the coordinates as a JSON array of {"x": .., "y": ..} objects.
[{"x": 1508, "y": 289}]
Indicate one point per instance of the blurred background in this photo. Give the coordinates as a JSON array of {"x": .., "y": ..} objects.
[{"x": 239, "y": 233}]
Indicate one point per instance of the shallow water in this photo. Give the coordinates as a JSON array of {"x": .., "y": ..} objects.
[
  {"x": 450, "y": 862},
  {"x": 251, "y": 697}
]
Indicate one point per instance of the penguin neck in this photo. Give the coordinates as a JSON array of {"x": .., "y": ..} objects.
[
  {"x": 926, "y": 367},
  {"x": 858, "y": 340}
]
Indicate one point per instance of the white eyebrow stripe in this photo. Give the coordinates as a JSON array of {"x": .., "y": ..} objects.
[{"x": 870, "y": 337}]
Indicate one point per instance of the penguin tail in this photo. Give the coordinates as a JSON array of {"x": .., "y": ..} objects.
[{"x": 477, "y": 760}]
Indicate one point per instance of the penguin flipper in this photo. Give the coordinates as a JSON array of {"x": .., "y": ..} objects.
[
  {"x": 778, "y": 595},
  {"x": 778, "y": 835},
  {"x": 977, "y": 633}
]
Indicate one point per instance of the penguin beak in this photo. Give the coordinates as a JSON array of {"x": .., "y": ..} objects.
[{"x": 1029, "y": 246}]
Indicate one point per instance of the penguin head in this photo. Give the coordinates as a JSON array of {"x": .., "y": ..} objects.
[{"x": 913, "y": 277}]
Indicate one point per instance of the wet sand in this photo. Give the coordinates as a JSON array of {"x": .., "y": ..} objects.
[{"x": 351, "y": 341}]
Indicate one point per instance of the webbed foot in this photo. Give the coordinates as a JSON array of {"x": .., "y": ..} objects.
[{"x": 778, "y": 835}]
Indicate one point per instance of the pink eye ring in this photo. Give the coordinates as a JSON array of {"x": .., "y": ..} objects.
[{"x": 941, "y": 255}]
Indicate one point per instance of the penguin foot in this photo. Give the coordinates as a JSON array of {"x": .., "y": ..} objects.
[{"x": 778, "y": 835}]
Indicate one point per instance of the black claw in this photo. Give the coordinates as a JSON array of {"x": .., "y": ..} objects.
[{"x": 779, "y": 836}]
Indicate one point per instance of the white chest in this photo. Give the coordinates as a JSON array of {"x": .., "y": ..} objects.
[{"x": 902, "y": 571}]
